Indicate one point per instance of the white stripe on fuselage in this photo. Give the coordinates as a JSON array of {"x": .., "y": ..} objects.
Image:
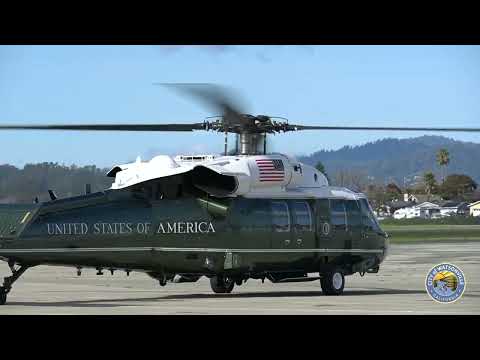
[{"x": 172, "y": 249}]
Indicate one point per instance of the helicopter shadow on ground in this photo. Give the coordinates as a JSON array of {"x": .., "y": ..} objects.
[
  {"x": 119, "y": 302},
  {"x": 279, "y": 294}
]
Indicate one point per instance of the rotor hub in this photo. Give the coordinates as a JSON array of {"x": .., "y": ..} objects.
[{"x": 246, "y": 123}]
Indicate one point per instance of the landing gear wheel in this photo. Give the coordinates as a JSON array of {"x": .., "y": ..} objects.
[
  {"x": 3, "y": 296},
  {"x": 333, "y": 282},
  {"x": 221, "y": 284}
]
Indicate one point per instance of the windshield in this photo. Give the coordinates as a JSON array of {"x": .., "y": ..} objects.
[{"x": 368, "y": 218}]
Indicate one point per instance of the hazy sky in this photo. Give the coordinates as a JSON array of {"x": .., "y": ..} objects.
[{"x": 324, "y": 85}]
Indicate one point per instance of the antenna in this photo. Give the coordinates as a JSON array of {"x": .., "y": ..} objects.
[{"x": 52, "y": 195}]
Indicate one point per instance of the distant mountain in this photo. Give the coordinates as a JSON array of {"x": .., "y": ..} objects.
[{"x": 393, "y": 159}]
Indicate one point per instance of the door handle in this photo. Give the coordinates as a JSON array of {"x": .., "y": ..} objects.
[
  {"x": 287, "y": 242},
  {"x": 299, "y": 241}
]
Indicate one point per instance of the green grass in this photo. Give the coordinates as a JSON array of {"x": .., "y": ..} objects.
[
  {"x": 452, "y": 220},
  {"x": 431, "y": 232}
]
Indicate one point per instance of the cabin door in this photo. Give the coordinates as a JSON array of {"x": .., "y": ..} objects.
[
  {"x": 281, "y": 225},
  {"x": 303, "y": 236},
  {"x": 354, "y": 225},
  {"x": 339, "y": 235}
]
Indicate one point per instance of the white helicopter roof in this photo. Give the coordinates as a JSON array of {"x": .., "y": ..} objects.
[{"x": 292, "y": 179}]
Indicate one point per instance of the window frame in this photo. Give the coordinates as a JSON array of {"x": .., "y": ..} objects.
[
  {"x": 274, "y": 225},
  {"x": 344, "y": 213},
  {"x": 370, "y": 215},
  {"x": 309, "y": 211}
]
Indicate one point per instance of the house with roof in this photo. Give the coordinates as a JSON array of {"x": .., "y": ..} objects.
[
  {"x": 449, "y": 208},
  {"x": 392, "y": 206},
  {"x": 474, "y": 208},
  {"x": 424, "y": 210}
]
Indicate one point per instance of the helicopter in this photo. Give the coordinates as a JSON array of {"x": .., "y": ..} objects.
[{"x": 245, "y": 214}]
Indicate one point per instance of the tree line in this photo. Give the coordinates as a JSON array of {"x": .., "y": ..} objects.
[
  {"x": 34, "y": 181},
  {"x": 460, "y": 187}
]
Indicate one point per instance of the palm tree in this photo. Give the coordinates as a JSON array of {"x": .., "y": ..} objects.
[
  {"x": 430, "y": 182},
  {"x": 443, "y": 158}
]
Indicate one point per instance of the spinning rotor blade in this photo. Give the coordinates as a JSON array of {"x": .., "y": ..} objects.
[
  {"x": 214, "y": 96},
  {"x": 110, "y": 127},
  {"x": 307, "y": 127}
]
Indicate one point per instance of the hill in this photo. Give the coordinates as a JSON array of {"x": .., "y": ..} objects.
[
  {"x": 394, "y": 159},
  {"x": 384, "y": 160}
]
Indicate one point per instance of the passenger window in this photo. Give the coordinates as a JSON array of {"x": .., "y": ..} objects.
[
  {"x": 280, "y": 216},
  {"x": 251, "y": 215},
  {"x": 339, "y": 219},
  {"x": 260, "y": 215},
  {"x": 303, "y": 217}
]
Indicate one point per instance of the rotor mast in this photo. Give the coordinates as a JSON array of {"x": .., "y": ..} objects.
[{"x": 251, "y": 143}]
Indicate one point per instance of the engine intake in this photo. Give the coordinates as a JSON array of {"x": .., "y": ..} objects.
[{"x": 212, "y": 182}]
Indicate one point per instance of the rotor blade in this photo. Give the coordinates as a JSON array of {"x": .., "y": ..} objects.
[
  {"x": 110, "y": 127},
  {"x": 307, "y": 127},
  {"x": 214, "y": 96}
]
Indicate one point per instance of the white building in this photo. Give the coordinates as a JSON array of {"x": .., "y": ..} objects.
[
  {"x": 424, "y": 210},
  {"x": 475, "y": 208},
  {"x": 449, "y": 208}
]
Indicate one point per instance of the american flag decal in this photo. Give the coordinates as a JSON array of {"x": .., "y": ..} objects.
[{"x": 270, "y": 170}]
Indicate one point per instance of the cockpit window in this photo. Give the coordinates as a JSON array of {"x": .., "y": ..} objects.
[{"x": 368, "y": 218}]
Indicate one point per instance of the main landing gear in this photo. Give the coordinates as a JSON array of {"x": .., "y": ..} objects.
[
  {"x": 222, "y": 284},
  {"x": 333, "y": 282},
  {"x": 9, "y": 280}
]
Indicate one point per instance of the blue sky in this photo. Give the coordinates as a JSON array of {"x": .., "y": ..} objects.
[{"x": 324, "y": 85}]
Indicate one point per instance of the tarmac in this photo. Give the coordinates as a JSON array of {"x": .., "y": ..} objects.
[{"x": 399, "y": 288}]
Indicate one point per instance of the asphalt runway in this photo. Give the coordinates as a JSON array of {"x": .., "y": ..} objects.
[{"x": 399, "y": 288}]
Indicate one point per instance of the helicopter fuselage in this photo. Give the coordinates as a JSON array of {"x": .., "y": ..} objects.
[
  {"x": 194, "y": 235},
  {"x": 228, "y": 218}
]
